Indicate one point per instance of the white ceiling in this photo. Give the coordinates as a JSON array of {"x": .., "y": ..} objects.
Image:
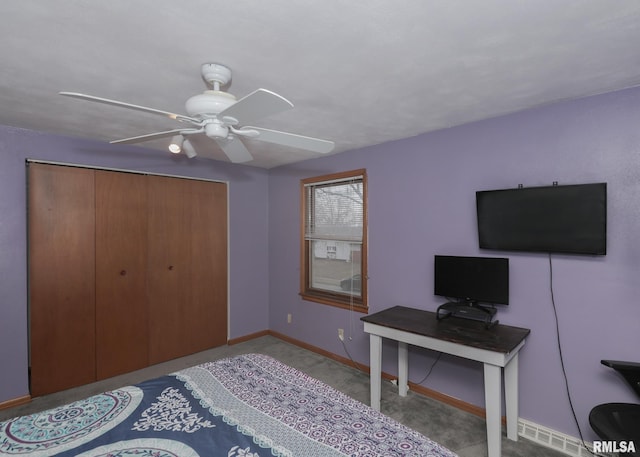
[{"x": 358, "y": 73}]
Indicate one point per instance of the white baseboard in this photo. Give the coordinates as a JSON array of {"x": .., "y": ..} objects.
[{"x": 547, "y": 437}]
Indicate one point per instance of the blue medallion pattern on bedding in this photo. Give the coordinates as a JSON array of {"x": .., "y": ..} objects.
[{"x": 246, "y": 406}]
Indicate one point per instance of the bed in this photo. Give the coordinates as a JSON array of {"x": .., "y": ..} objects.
[{"x": 245, "y": 406}]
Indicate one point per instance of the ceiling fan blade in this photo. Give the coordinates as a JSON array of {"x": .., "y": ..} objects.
[
  {"x": 258, "y": 104},
  {"x": 293, "y": 140},
  {"x": 106, "y": 101},
  {"x": 235, "y": 150},
  {"x": 149, "y": 136}
]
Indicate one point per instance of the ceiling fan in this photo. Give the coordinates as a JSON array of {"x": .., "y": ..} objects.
[{"x": 221, "y": 117}]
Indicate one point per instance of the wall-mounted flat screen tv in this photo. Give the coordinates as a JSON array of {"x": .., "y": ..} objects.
[{"x": 570, "y": 219}]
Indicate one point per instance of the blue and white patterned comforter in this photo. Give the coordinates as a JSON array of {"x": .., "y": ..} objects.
[{"x": 245, "y": 406}]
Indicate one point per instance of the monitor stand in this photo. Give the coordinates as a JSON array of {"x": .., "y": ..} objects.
[{"x": 468, "y": 310}]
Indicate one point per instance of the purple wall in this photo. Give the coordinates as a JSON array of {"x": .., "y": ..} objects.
[
  {"x": 247, "y": 233},
  {"x": 435, "y": 176}
]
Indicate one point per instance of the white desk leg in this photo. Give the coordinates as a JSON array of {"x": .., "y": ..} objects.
[
  {"x": 492, "y": 399},
  {"x": 511, "y": 397},
  {"x": 403, "y": 369},
  {"x": 375, "y": 355}
]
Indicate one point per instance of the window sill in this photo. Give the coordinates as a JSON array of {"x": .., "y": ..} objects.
[{"x": 331, "y": 301}]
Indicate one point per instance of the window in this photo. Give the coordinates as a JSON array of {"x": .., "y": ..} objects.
[{"x": 334, "y": 240}]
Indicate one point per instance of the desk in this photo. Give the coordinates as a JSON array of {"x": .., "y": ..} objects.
[{"x": 496, "y": 348}]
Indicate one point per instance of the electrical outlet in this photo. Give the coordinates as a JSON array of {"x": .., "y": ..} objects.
[
  {"x": 341, "y": 334},
  {"x": 289, "y": 318}
]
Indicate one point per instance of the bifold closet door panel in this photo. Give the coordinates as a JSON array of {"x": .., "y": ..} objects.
[
  {"x": 169, "y": 267},
  {"x": 208, "y": 281},
  {"x": 61, "y": 231},
  {"x": 186, "y": 290},
  {"x": 121, "y": 263}
]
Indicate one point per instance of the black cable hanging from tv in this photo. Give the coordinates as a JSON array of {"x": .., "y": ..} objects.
[{"x": 562, "y": 366}]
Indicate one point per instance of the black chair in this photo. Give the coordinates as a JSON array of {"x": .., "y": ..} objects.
[{"x": 619, "y": 421}]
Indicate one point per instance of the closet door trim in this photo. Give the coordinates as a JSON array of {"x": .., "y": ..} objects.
[{"x": 122, "y": 170}]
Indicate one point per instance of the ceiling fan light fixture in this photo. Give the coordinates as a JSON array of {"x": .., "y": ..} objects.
[
  {"x": 176, "y": 144},
  {"x": 188, "y": 149}
]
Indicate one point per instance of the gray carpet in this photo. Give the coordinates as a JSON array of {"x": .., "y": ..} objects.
[{"x": 461, "y": 432}]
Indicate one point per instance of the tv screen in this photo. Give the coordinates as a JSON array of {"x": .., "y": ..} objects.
[
  {"x": 472, "y": 279},
  {"x": 569, "y": 219}
]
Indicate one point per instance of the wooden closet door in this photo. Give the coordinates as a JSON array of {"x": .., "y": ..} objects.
[
  {"x": 121, "y": 262},
  {"x": 187, "y": 288},
  {"x": 61, "y": 277},
  {"x": 208, "y": 281}
]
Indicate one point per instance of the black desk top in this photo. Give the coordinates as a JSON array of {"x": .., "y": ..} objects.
[{"x": 499, "y": 338}]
